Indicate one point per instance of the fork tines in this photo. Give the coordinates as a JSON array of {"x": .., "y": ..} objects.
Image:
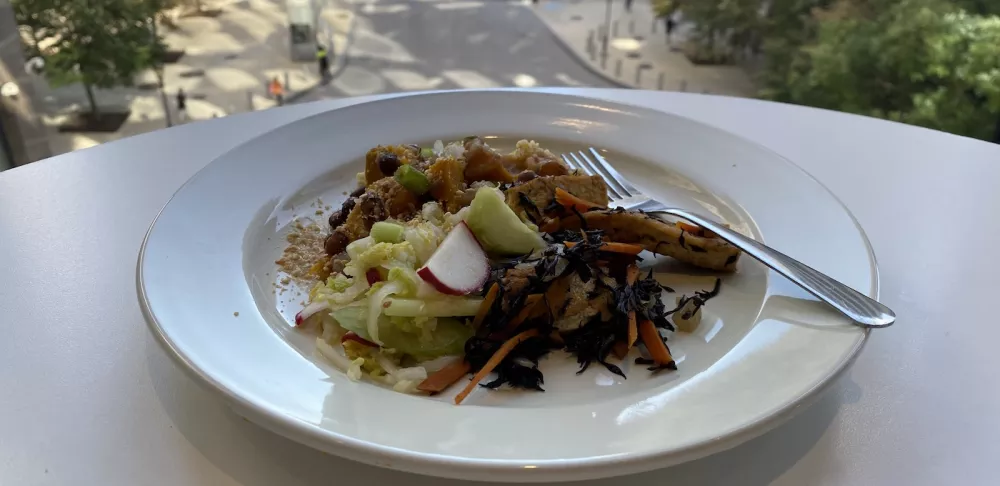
[{"x": 596, "y": 164}]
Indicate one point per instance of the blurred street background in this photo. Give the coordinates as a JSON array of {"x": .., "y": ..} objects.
[{"x": 189, "y": 60}]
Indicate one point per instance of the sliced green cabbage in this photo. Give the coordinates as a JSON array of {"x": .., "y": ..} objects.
[
  {"x": 443, "y": 307},
  {"x": 375, "y": 300},
  {"x": 424, "y": 237},
  {"x": 402, "y": 312},
  {"x": 447, "y": 338},
  {"x": 339, "y": 290},
  {"x": 338, "y": 282},
  {"x": 369, "y": 254},
  {"x": 423, "y": 338}
]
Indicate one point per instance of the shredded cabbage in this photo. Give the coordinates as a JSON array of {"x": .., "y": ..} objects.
[
  {"x": 403, "y": 314},
  {"x": 385, "y": 255},
  {"x": 327, "y": 351},
  {"x": 423, "y": 338},
  {"x": 339, "y": 291},
  {"x": 454, "y": 149},
  {"x": 424, "y": 238},
  {"x": 375, "y": 307},
  {"x": 338, "y": 283},
  {"x": 431, "y": 212},
  {"x": 445, "y": 306},
  {"x": 354, "y": 371},
  {"x": 452, "y": 220},
  {"x": 357, "y": 247}
]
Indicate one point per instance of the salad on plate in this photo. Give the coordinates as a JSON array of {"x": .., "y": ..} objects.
[{"x": 457, "y": 260}]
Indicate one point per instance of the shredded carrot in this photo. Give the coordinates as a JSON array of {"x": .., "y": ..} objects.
[
  {"x": 654, "y": 343},
  {"x": 495, "y": 360},
  {"x": 441, "y": 379},
  {"x": 631, "y": 275},
  {"x": 484, "y": 307},
  {"x": 550, "y": 226},
  {"x": 620, "y": 350},
  {"x": 633, "y": 331},
  {"x": 697, "y": 230},
  {"x": 568, "y": 200},
  {"x": 556, "y": 337},
  {"x": 530, "y": 307},
  {"x": 613, "y": 247},
  {"x": 557, "y": 294},
  {"x": 690, "y": 228}
]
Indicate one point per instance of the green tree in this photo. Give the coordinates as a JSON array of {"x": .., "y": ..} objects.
[
  {"x": 725, "y": 27},
  {"x": 788, "y": 25},
  {"x": 101, "y": 44},
  {"x": 665, "y": 8},
  {"x": 979, "y": 7},
  {"x": 923, "y": 62}
]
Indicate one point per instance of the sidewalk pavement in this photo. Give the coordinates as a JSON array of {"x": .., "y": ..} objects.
[
  {"x": 639, "y": 55},
  {"x": 228, "y": 60}
]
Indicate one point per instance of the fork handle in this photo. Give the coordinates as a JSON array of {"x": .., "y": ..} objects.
[{"x": 863, "y": 310}]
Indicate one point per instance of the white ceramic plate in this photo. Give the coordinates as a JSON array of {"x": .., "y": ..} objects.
[{"x": 764, "y": 347}]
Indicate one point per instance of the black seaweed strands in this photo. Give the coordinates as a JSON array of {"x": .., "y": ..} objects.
[
  {"x": 652, "y": 366},
  {"x": 573, "y": 236},
  {"x": 590, "y": 343},
  {"x": 699, "y": 299},
  {"x": 519, "y": 369},
  {"x": 645, "y": 297},
  {"x": 593, "y": 342},
  {"x": 531, "y": 210}
]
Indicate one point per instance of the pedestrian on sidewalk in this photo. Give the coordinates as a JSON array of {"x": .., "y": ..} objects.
[
  {"x": 671, "y": 24},
  {"x": 182, "y": 105},
  {"x": 277, "y": 91},
  {"x": 324, "y": 62}
]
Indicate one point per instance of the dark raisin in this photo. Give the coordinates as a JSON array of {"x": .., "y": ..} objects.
[
  {"x": 357, "y": 192},
  {"x": 526, "y": 176},
  {"x": 337, "y": 219},
  {"x": 387, "y": 163},
  {"x": 348, "y": 205},
  {"x": 335, "y": 243}
]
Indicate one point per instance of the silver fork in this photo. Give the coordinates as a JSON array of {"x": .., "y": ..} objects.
[{"x": 864, "y": 311}]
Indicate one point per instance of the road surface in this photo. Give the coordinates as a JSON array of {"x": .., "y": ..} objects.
[{"x": 404, "y": 45}]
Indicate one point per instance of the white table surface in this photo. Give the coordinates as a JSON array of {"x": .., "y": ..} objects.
[{"x": 87, "y": 397}]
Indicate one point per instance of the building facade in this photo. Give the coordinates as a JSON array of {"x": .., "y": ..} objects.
[{"x": 23, "y": 136}]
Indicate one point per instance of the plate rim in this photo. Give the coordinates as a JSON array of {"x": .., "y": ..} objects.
[{"x": 510, "y": 469}]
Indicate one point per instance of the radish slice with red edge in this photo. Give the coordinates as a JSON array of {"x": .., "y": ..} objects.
[
  {"x": 352, "y": 336},
  {"x": 373, "y": 276},
  {"x": 459, "y": 265},
  {"x": 308, "y": 312}
]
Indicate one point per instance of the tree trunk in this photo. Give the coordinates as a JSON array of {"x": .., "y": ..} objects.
[
  {"x": 94, "y": 109},
  {"x": 158, "y": 70}
]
